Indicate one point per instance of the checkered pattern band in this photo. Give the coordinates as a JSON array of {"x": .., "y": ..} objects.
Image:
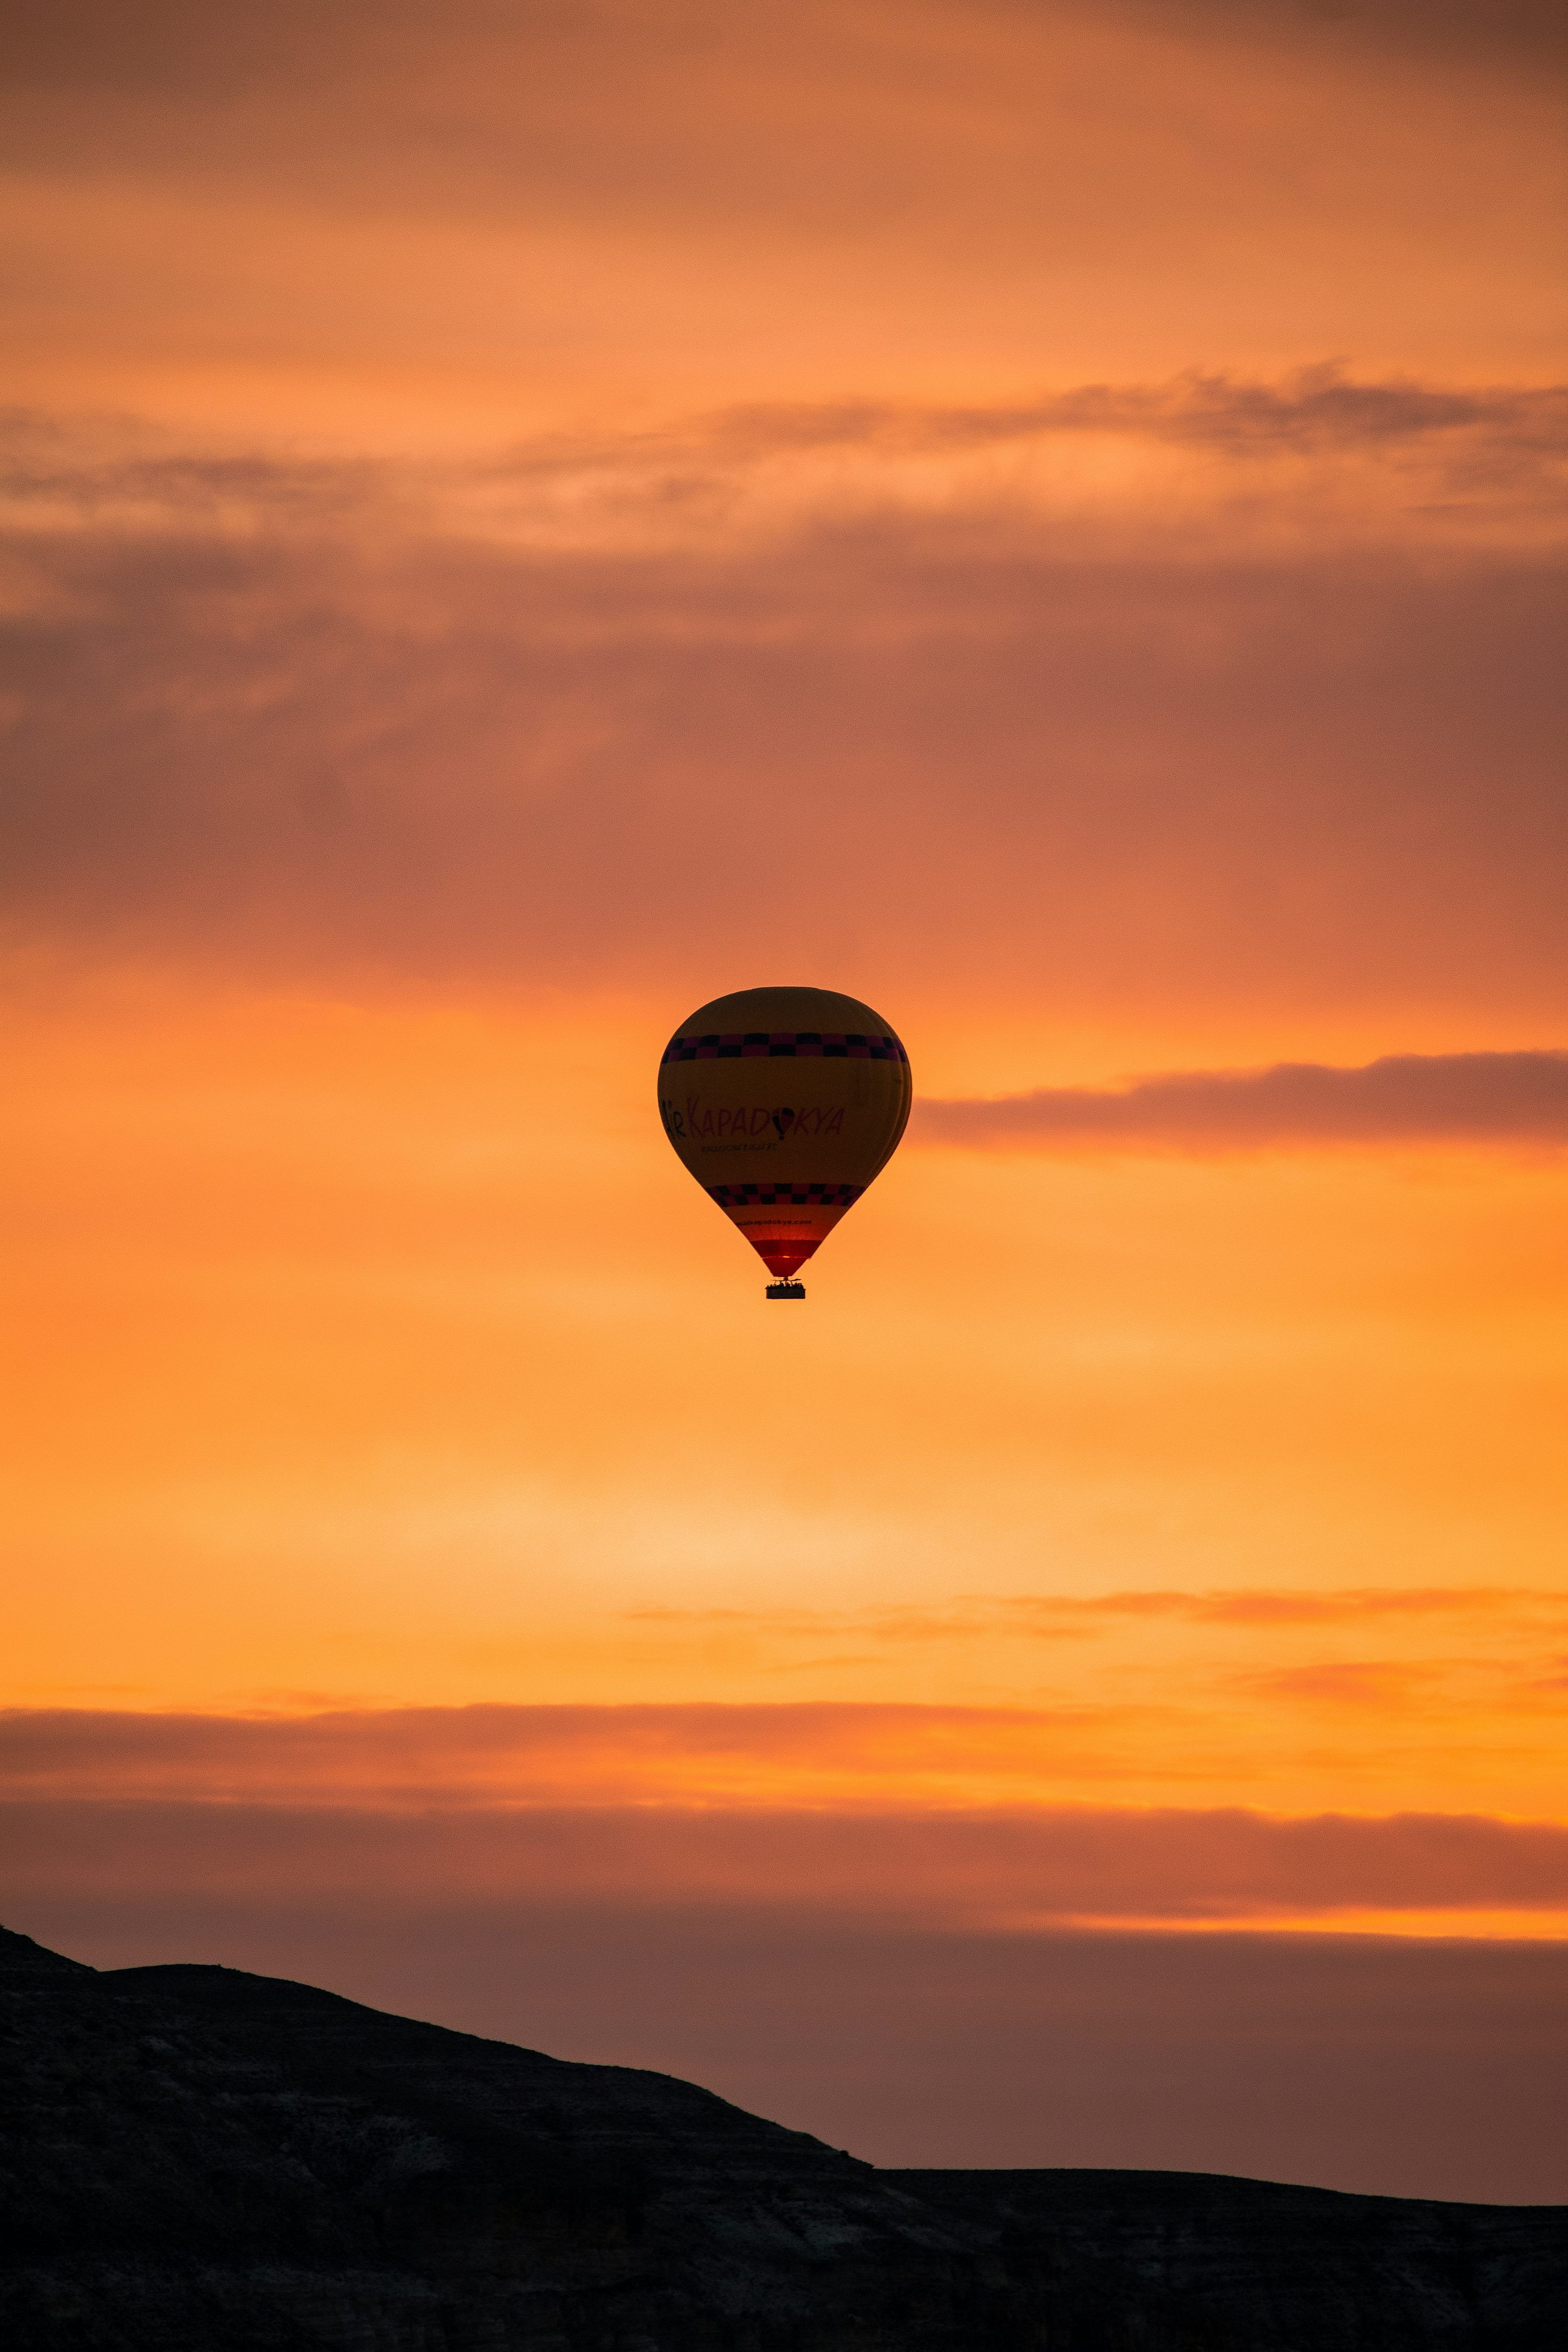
[
  {"x": 745, "y": 1196},
  {"x": 780, "y": 1045}
]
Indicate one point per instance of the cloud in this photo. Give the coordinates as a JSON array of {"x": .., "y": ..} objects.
[
  {"x": 370, "y": 732},
  {"x": 1052, "y": 1615},
  {"x": 154, "y": 488},
  {"x": 1519, "y": 1098},
  {"x": 1527, "y": 34},
  {"x": 1312, "y": 412},
  {"x": 834, "y": 203},
  {"x": 87, "y": 44},
  {"x": 1496, "y": 436},
  {"x": 233, "y": 1831},
  {"x": 976, "y": 1868},
  {"x": 868, "y": 1759},
  {"x": 1388, "y": 1685},
  {"x": 693, "y": 1752},
  {"x": 1273, "y": 1606}
]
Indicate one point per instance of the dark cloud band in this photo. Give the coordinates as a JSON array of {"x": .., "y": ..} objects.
[{"x": 1518, "y": 1099}]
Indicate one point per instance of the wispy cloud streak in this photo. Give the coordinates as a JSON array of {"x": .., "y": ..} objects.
[
  {"x": 1313, "y": 411},
  {"x": 531, "y": 1755},
  {"x": 860, "y": 1756},
  {"x": 1048, "y": 1612},
  {"x": 1414, "y": 1098},
  {"x": 1497, "y": 434}
]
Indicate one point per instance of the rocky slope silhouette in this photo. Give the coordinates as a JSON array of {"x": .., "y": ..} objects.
[{"x": 199, "y": 2161}]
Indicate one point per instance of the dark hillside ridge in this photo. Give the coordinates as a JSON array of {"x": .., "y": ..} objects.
[{"x": 196, "y": 2160}]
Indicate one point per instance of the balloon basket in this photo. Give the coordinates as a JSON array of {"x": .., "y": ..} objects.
[{"x": 786, "y": 1290}]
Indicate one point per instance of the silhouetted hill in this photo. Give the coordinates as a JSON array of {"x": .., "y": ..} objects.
[{"x": 198, "y": 2160}]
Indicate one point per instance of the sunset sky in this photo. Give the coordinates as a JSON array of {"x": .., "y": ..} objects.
[{"x": 1043, "y": 515}]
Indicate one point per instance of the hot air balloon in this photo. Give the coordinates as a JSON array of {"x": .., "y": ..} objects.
[{"x": 784, "y": 1103}]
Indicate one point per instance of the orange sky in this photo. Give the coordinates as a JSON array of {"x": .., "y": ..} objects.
[{"x": 1046, "y": 518}]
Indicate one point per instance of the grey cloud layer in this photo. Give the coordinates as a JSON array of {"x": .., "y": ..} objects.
[{"x": 1519, "y": 1098}]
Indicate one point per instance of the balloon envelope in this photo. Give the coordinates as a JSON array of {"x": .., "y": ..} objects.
[{"x": 784, "y": 1103}]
